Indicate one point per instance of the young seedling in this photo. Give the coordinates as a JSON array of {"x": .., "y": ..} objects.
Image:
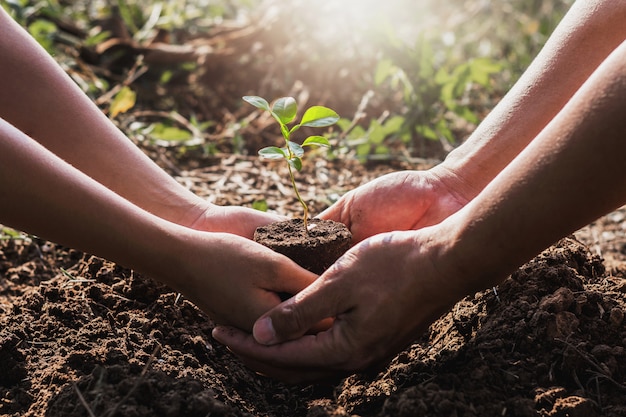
[{"x": 284, "y": 111}]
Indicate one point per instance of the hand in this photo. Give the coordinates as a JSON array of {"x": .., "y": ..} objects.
[
  {"x": 406, "y": 270},
  {"x": 231, "y": 278},
  {"x": 405, "y": 200},
  {"x": 240, "y": 221}
]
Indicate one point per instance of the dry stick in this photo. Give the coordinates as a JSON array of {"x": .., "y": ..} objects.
[
  {"x": 172, "y": 115},
  {"x": 115, "y": 409},
  {"x": 135, "y": 72},
  {"x": 359, "y": 114},
  {"x": 82, "y": 400},
  {"x": 593, "y": 363}
]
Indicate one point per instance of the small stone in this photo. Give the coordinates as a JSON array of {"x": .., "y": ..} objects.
[
  {"x": 616, "y": 316},
  {"x": 573, "y": 406},
  {"x": 562, "y": 325},
  {"x": 561, "y": 300}
]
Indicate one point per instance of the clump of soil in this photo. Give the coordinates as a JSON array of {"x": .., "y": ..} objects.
[
  {"x": 79, "y": 333},
  {"x": 315, "y": 250}
]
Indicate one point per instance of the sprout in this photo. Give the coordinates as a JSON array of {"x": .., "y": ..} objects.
[{"x": 284, "y": 111}]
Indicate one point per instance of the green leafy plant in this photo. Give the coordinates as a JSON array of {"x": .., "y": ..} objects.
[
  {"x": 284, "y": 111},
  {"x": 437, "y": 91}
]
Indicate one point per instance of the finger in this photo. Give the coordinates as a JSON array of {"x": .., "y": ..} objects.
[
  {"x": 340, "y": 211},
  {"x": 294, "y": 317},
  {"x": 295, "y": 363},
  {"x": 310, "y": 352},
  {"x": 293, "y": 280},
  {"x": 331, "y": 213}
]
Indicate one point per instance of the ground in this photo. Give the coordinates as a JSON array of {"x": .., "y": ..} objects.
[{"x": 81, "y": 336}]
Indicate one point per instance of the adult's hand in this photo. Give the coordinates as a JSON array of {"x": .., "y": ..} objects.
[
  {"x": 405, "y": 200},
  {"x": 382, "y": 293}
]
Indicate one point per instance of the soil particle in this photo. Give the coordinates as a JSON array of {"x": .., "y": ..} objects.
[
  {"x": 78, "y": 332},
  {"x": 315, "y": 250}
]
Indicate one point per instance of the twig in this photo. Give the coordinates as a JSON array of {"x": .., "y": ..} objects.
[
  {"x": 135, "y": 72},
  {"x": 172, "y": 115},
  {"x": 82, "y": 400},
  {"x": 115, "y": 409},
  {"x": 593, "y": 363},
  {"x": 359, "y": 114}
]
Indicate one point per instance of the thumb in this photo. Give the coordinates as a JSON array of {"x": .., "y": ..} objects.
[
  {"x": 296, "y": 316},
  {"x": 337, "y": 212}
]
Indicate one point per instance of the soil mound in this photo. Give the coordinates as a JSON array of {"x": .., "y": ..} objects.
[{"x": 82, "y": 336}]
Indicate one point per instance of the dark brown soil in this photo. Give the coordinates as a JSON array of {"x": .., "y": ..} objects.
[
  {"x": 82, "y": 336},
  {"x": 315, "y": 250}
]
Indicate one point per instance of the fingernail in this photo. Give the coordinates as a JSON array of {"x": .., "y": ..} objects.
[
  {"x": 218, "y": 333},
  {"x": 263, "y": 331}
]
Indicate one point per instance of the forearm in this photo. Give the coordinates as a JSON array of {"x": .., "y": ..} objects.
[
  {"x": 42, "y": 101},
  {"x": 589, "y": 32},
  {"x": 45, "y": 196},
  {"x": 572, "y": 173}
]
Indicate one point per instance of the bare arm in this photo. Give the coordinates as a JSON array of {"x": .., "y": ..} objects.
[
  {"x": 572, "y": 173},
  {"x": 231, "y": 278},
  {"x": 588, "y": 33},
  {"x": 39, "y": 99},
  {"x": 414, "y": 199}
]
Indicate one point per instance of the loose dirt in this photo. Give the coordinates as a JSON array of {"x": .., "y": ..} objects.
[
  {"x": 315, "y": 248},
  {"x": 81, "y": 336}
]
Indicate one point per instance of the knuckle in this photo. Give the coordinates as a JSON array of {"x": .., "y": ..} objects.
[
  {"x": 290, "y": 322},
  {"x": 365, "y": 356}
]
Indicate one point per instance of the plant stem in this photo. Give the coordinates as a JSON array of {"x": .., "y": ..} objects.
[
  {"x": 304, "y": 206},
  {"x": 286, "y": 135}
]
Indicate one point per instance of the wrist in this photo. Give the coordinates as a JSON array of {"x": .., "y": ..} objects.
[
  {"x": 475, "y": 255},
  {"x": 192, "y": 213},
  {"x": 166, "y": 253},
  {"x": 454, "y": 176}
]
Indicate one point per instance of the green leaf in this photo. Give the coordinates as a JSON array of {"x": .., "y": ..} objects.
[
  {"x": 384, "y": 70},
  {"x": 283, "y": 129},
  {"x": 273, "y": 152},
  {"x": 285, "y": 109},
  {"x": 427, "y": 132},
  {"x": 170, "y": 133},
  {"x": 381, "y": 150},
  {"x": 319, "y": 116},
  {"x": 363, "y": 150},
  {"x": 467, "y": 114},
  {"x": 10, "y": 233},
  {"x": 258, "y": 102},
  {"x": 357, "y": 132},
  {"x": 344, "y": 124},
  {"x": 296, "y": 149},
  {"x": 123, "y": 101},
  {"x": 393, "y": 125},
  {"x": 376, "y": 133},
  {"x": 442, "y": 129},
  {"x": 447, "y": 94},
  {"x": 260, "y": 205},
  {"x": 42, "y": 31},
  {"x": 482, "y": 68},
  {"x": 317, "y": 141},
  {"x": 296, "y": 163},
  {"x": 97, "y": 38}
]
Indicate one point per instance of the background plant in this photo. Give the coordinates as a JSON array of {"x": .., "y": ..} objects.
[
  {"x": 284, "y": 111},
  {"x": 434, "y": 68}
]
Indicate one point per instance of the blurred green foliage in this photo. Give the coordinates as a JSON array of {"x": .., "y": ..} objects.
[
  {"x": 430, "y": 70},
  {"x": 458, "y": 60}
]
